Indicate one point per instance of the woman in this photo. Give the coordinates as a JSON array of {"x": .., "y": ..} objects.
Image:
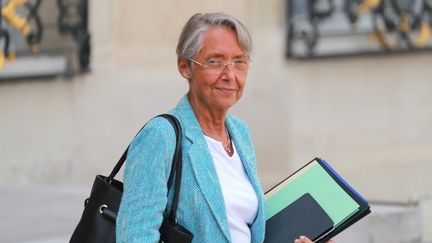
[{"x": 221, "y": 199}]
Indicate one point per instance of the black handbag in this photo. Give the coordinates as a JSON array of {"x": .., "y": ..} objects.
[{"x": 98, "y": 221}]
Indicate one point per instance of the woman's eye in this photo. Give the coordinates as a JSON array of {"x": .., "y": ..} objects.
[
  {"x": 214, "y": 62},
  {"x": 240, "y": 62}
]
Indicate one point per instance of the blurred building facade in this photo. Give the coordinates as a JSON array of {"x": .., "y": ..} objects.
[{"x": 370, "y": 117}]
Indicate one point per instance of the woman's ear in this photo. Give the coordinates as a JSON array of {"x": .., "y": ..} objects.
[{"x": 184, "y": 68}]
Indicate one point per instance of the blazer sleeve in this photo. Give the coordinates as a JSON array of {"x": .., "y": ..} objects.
[{"x": 147, "y": 169}]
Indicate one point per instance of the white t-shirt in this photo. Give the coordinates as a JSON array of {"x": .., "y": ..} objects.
[{"x": 241, "y": 202}]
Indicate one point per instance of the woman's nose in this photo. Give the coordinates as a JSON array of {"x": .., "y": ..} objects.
[{"x": 229, "y": 71}]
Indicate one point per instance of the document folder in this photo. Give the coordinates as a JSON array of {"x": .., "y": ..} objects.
[
  {"x": 317, "y": 179},
  {"x": 302, "y": 217}
]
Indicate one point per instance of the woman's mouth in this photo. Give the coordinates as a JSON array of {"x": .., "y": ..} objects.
[{"x": 227, "y": 90}]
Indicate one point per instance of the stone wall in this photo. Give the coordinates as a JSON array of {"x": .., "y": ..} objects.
[{"x": 369, "y": 117}]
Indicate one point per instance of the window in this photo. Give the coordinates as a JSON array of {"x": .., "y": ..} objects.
[{"x": 326, "y": 28}]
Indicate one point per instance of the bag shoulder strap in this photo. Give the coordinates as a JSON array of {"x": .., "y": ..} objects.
[
  {"x": 176, "y": 167},
  {"x": 173, "y": 121}
]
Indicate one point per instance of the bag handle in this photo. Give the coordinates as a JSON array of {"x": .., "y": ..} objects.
[{"x": 176, "y": 167}]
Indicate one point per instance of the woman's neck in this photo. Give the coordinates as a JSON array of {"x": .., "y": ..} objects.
[{"x": 212, "y": 121}]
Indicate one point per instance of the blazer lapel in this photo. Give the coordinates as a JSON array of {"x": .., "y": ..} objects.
[
  {"x": 202, "y": 164},
  {"x": 207, "y": 179}
]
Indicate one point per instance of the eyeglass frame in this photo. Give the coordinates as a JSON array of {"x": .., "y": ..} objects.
[{"x": 225, "y": 64}]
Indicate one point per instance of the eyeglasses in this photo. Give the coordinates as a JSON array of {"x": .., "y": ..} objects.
[{"x": 217, "y": 66}]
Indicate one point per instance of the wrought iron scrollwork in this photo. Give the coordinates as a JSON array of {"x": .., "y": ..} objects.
[
  {"x": 394, "y": 24},
  {"x": 73, "y": 20},
  {"x": 28, "y": 25},
  {"x": 5, "y": 39},
  {"x": 25, "y": 25},
  {"x": 305, "y": 27},
  {"x": 35, "y": 36},
  {"x": 4, "y": 52}
]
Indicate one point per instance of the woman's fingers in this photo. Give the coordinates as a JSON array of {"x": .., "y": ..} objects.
[{"x": 304, "y": 239}]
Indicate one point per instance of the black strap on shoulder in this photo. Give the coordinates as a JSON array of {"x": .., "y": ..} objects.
[{"x": 176, "y": 167}]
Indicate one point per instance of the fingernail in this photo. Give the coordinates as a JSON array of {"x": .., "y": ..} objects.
[
  {"x": 297, "y": 241},
  {"x": 302, "y": 237}
]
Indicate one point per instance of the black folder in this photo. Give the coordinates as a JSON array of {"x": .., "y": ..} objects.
[{"x": 302, "y": 217}]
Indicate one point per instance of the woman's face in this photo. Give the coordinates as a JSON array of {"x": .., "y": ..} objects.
[{"x": 222, "y": 89}]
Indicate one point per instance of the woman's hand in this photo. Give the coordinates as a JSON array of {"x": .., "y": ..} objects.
[{"x": 304, "y": 239}]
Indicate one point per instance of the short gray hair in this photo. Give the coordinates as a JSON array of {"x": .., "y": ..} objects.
[{"x": 190, "y": 41}]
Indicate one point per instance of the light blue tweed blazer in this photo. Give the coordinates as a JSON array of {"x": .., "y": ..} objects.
[{"x": 201, "y": 206}]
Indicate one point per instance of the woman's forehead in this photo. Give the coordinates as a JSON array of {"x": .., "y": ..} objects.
[{"x": 220, "y": 41}]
